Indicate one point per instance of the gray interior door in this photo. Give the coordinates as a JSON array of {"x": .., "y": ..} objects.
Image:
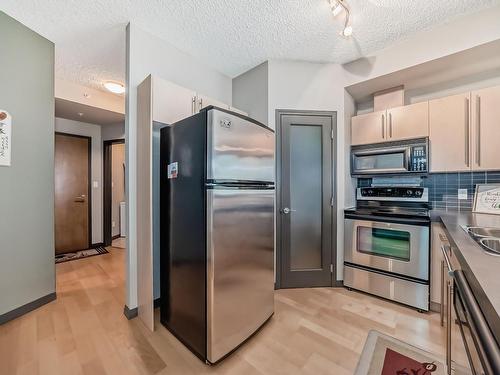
[{"x": 306, "y": 199}]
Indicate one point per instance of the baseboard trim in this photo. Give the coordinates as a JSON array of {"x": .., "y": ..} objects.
[
  {"x": 130, "y": 313},
  {"x": 98, "y": 244},
  {"x": 30, "y": 306},
  {"x": 338, "y": 284},
  {"x": 115, "y": 237}
]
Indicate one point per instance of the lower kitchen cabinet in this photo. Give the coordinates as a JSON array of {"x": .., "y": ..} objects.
[{"x": 437, "y": 233}]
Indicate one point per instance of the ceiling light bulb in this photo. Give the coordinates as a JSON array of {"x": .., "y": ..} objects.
[
  {"x": 337, "y": 8},
  {"x": 114, "y": 87},
  {"x": 347, "y": 31}
]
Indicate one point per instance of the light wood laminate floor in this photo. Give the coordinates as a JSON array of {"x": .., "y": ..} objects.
[{"x": 314, "y": 331}]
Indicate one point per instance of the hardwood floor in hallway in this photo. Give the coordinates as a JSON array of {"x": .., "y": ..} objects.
[{"x": 313, "y": 331}]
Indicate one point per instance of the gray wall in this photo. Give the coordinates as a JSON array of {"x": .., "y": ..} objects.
[
  {"x": 112, "y": 132},
  {"x": 27, "y": 270},
  {"x": 250, "y": 92}
]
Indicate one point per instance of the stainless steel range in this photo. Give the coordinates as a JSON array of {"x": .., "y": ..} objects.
[{"x": 387, "y": 242}]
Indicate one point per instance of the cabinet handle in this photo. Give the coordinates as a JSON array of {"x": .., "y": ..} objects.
[
  {"x": 448, "y": 326},
  {"x": 467, "y": 155},
  {"x": 478, "y": 136},
  {"x": 193, "y": 105},
  {"x": 390, "y": 125},
  {"x": 383, "y": 126},
  {"x": 201, "y": 103},
  {"x": 443, "y": 283},
  {"x": 447, "y": 260}
]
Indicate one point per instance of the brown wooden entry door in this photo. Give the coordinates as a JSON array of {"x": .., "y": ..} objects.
[{"x": 72, "y": 210}]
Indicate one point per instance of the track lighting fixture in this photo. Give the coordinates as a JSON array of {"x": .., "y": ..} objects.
[{"x": 338, "y": 7}]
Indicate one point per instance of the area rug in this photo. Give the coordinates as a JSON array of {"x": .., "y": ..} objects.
[
  {"x": 80, "y": 254},
  {"x": 385, "y": 355}
]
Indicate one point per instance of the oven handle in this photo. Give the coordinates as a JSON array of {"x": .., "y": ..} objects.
[
  {"x": 487, "y": 347},
  {"x": 393, "y": 220}
]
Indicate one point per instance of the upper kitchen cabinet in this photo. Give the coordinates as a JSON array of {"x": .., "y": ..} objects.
[
  {"x": 449, "y": 134},
  {"x": 368, "y": 128},
  {"x": 205, "y": 101},
  {"x": 177, "y": 102},
  {"x": 406, "y": 122},
  {"x": 485, "y": 115}
]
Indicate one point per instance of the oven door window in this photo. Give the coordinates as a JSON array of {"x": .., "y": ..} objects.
[
  {"x": 395, "y": 161},
  {"x": 389, "y": 243}
]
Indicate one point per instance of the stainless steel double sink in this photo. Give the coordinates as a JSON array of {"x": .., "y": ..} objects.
[{"x": 487, "y": 237}]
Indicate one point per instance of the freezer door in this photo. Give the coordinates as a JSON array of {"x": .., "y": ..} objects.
[
  {"x": 238, "y": 149},
  {"x": 240, "y": 255}
]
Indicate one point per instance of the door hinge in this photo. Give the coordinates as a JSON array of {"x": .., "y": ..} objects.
[
  {"x": 331, "y": 134},
  {"x": 332, "y": 202},
  {"x": 331, "y": 268}
]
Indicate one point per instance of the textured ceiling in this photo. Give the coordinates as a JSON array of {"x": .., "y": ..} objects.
[{"x": 232, "y": 36}]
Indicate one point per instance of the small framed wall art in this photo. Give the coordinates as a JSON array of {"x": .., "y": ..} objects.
[
  {"x": 5, "y": 138},
  {"x": 487, "y": 199}
]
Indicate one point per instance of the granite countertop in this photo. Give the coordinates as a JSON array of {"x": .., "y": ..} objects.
[{"x": 481, "y": 269}]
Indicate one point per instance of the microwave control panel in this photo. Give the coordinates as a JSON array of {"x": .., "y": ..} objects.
[{"x": 418, "y": 159}]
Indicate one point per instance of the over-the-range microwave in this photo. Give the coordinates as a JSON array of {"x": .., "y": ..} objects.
[{"x": 399, "y": 157}]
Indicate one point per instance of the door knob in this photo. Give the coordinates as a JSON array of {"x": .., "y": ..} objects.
[{"x": 287, "y": 210}]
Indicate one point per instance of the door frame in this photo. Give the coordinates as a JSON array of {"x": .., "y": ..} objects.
[
  {"x": 278, "y": 198},
  {"x": 107, "y": 190},
  {"x": 89, "y": 179}
]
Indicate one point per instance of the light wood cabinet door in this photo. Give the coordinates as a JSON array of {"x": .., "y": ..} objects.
[
  {"x": 409, "y": 121},
  {"x": 205, "y": 101},
  {"x": 171, "y": 102},
  {"x": 486, "y": 129},
  {"x": 449, "y": 134},
  {"x": 436, "y": 286},
  {"x": 368, "y": 128}
]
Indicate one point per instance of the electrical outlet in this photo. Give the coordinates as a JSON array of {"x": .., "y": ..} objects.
[
  {"x": 113, "y": 224},
  {"x": 462, "y": 194}
]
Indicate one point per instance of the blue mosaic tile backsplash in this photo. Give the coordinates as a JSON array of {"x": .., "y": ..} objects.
[{"x": 443, "y": 187}]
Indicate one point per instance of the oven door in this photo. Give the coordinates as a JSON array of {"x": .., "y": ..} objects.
[
  {"x": 392, "y": 247},
  {"x": 380, "y": 161}
]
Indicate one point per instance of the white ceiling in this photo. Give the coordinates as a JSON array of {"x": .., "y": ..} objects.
[
  {"x": 232, "y": 36},
  {"x": 85, "y": 113}
]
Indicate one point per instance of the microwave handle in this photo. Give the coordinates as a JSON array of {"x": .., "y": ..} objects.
[
  {"x": 378, "y": 151},
  {"x": 408, "y": 159}
]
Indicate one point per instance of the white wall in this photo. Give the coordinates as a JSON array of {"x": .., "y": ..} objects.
[
  {"x": 147, "y": 54},
  {"x": 310, "y": 86},
  {"x": 250, "y": 92},
  {"x": 113, "y": 131},
  {"x": 93, "y": 131}
]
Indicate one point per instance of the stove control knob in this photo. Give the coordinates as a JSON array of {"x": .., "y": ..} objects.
[
  {"x": 409, "y": 192},
  {"x": 418, "y": 193}
]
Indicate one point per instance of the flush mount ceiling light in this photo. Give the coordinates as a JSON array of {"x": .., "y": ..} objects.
[
  {"x": 114, "y": 87},
  {"x": 338, "y": 7}
]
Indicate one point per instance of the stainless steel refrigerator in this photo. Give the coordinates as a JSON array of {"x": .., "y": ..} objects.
[{"x": 217, "y": 230}]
